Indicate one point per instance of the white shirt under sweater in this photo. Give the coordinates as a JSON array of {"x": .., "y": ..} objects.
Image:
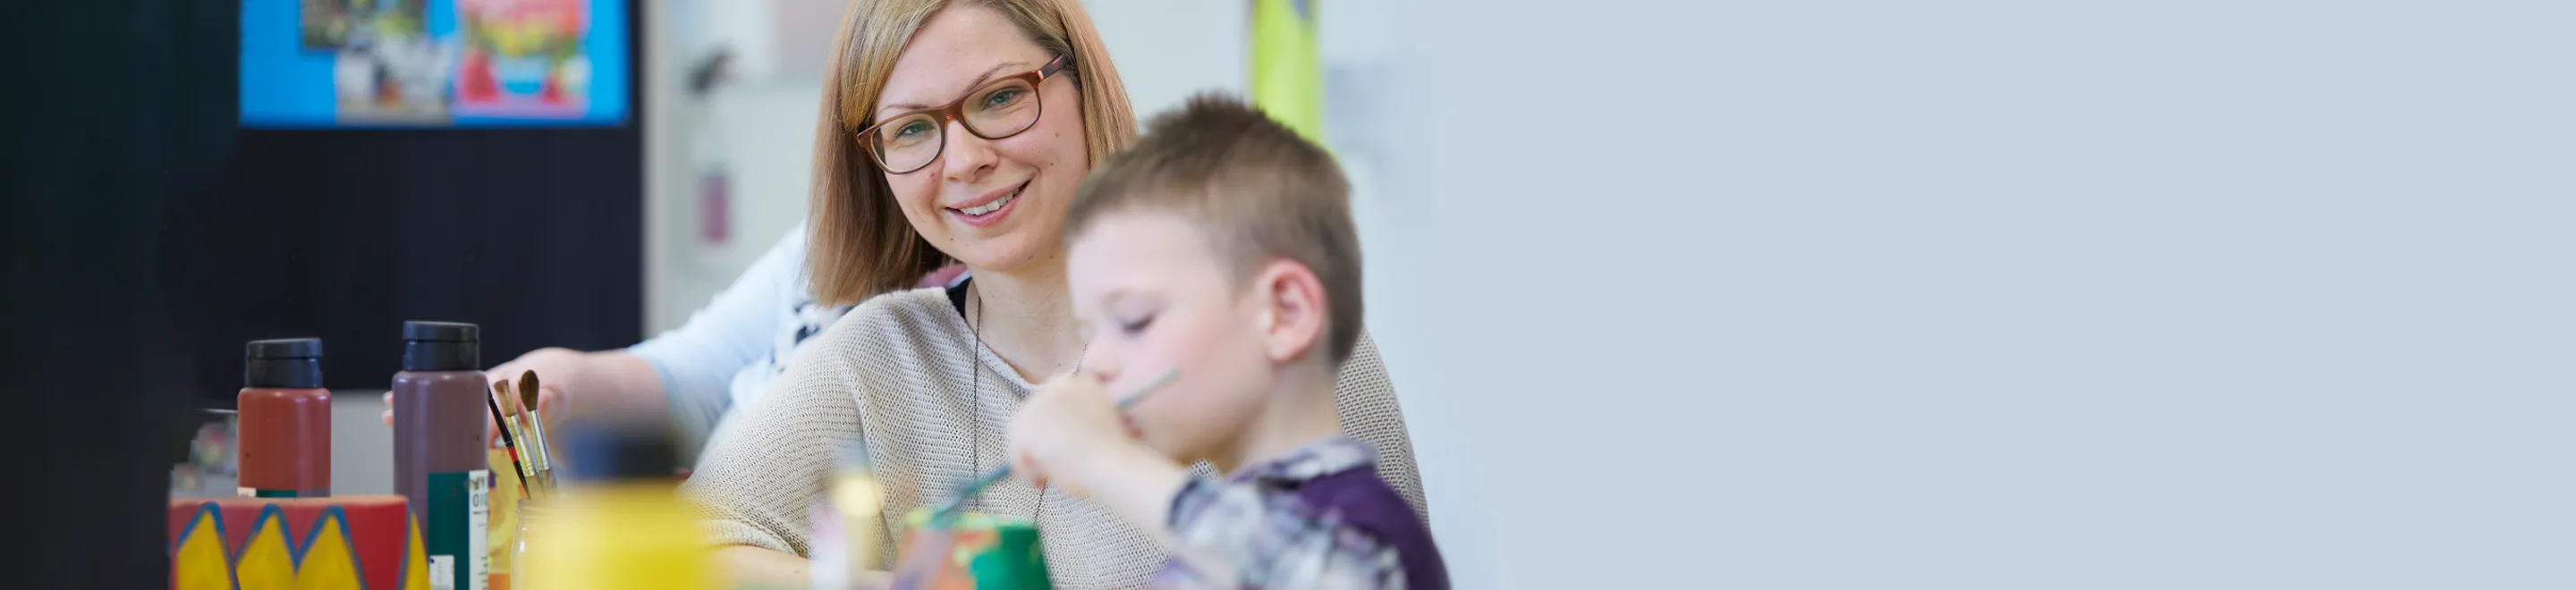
[
  {"x": 728, "y": 353},
  {"x": 897, "y": 372}
]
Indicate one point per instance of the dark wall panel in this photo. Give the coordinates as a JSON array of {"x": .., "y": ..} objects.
[{"x": 537, "y": 234}]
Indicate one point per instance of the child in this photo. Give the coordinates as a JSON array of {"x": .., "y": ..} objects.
[{"x": 1219, "y": 249}]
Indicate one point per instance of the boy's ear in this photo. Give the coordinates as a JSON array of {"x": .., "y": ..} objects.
[{"x": 1292, "y": 309}]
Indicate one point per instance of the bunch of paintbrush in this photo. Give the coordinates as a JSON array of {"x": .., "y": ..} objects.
[{"x": 523, "y": 430}]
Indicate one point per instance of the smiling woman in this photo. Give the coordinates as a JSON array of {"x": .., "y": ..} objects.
[
  {"x": 954, "y": 131},
  {"x": 867, "y": 240}
]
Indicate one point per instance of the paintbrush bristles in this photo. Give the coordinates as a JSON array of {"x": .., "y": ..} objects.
[{"x": 528, "y": 389}]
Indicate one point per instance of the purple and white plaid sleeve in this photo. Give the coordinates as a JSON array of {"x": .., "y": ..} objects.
[{"x": 1245, "y": 535}]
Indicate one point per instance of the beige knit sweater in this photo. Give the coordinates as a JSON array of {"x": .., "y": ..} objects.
[{"x": 896, "y": 371}]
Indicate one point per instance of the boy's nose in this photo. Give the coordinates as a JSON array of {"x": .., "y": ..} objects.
[{"x": 1096, "y": 362}]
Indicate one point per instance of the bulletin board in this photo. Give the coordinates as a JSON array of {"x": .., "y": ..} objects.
[{"x": 434, "y": 63}]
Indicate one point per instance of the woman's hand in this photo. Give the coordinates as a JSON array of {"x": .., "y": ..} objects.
[{"x": 556, "y": 368}]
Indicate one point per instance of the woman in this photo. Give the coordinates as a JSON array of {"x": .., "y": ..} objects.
[{"x": 952, "y": 130}]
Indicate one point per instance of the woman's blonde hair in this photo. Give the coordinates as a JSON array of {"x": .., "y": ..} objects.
[{"x": 858, "y": 244}]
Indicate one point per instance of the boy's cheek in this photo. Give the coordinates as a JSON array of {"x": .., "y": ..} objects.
[{"x": 1161, "y": 429}]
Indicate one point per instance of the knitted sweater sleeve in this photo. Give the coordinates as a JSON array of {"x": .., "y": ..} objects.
[
  {"x": 1366, "y": 397},
  {"x": 757, "y": 479}
]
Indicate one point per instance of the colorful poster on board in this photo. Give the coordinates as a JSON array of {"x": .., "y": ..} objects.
[{"x": 433, "y": 63}]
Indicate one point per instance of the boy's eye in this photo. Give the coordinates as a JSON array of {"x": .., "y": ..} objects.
[{"x": 1135, "y": 325}]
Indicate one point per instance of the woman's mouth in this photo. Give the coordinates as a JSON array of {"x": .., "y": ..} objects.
[{"x": 990, "y": 211}]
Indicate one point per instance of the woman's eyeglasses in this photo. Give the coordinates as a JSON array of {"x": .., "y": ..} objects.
[{"x": 999, "y": 109}]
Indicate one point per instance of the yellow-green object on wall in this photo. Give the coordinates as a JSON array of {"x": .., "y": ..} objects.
[{"x": 1287, "y": 71}]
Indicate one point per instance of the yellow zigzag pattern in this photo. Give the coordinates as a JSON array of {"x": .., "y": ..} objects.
[{"x": 324, "y": 559}]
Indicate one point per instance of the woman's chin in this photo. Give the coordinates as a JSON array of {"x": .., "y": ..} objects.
[
  {"x": 1005, "y": 253},
  {"x": 994, "y": 259}
]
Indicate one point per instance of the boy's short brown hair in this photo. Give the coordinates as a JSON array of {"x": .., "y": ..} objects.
[{"x": 1256, "y": 188}]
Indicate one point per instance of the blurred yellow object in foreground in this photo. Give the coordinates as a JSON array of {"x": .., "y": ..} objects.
[
  {"x": 618, "y": 522},
  {"x": 848, "y": 524},
  {"x": 624, "y": 536},
  {"x": 504, "y": 519}
]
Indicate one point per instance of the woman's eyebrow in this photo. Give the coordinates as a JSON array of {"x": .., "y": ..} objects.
[{"x": 979, "y": 81}]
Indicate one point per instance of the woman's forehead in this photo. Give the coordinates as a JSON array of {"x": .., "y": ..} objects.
[{"x": 956, "y": 51}]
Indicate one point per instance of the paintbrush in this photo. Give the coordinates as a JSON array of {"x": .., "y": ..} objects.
[
  {"x": 508, "y": 440},
  {"x": 949, "y": 509},
  {"x": 537, "y": 423},
  {"x": 528, "y": 450}
]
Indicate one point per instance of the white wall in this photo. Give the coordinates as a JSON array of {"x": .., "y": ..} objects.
[
  {"x": 1169, "y": 49},
  {"x": 2261, "y": 294},
  {"x": 755, "y": 132}
]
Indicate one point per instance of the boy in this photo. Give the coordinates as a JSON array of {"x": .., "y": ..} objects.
[{"x": 1219, "y": 249}]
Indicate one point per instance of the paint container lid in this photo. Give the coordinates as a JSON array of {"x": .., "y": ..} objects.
[
  {"x": 293, "y": 363},
  {"x": 636, "y": 446},
  {"x": 441, "y": 346}
]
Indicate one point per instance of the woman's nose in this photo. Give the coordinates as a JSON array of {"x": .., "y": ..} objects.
[{"x": 969, "y": 157}]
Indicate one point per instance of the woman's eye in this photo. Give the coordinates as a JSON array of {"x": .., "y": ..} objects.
[
  {"x": 1001, "y": 98},
  {"x": 912, "y": 129}
]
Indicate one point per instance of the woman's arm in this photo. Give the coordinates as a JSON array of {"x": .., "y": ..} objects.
[
  {"x": 756, "y": 481},
  {"x": 1366, "y": 397},
  {"x": 744, "y": 566},
  {"x": 754, "y": 567},
  {"x": 690, "y": 368},
  {"x": 695, "y": 363},
  {"x": 608, "y": 378}
]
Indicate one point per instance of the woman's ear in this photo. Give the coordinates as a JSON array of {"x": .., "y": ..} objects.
[{"x": 1292, "y": 301}]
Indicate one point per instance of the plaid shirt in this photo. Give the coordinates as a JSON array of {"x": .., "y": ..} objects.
[{"x": 1254, "y": 531}]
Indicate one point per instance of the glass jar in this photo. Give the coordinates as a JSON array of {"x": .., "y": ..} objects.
[{"x": 529, "y": 514}]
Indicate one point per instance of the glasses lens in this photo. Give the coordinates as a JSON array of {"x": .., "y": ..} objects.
[
  {"x": 907, "y": 143},
  {"x": 1002, "y": 109}
]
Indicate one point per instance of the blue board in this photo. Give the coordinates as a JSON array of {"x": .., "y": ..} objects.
[{"x": 316, "y": 64}]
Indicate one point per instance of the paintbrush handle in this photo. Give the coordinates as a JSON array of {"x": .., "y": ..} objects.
[
  {"x": 545, "y": 458},
  {"x": 1004, "y": 472},
  {"x": 973, "y": 487},
  {"x": 494, "y": 403},
  {"x": 511, "y": 436}
]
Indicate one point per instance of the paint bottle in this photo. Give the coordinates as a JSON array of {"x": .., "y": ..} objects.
[
  {"x": 285, "y": 429},
  {"x": 439, "y": 459},
  {"x": 619, "y": 522},
  {"x": 849, "y": 524}
]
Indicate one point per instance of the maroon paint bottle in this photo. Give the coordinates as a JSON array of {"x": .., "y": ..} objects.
[
  {"x": 285, "y": 428},
  {"x": 439, "y": 458}
]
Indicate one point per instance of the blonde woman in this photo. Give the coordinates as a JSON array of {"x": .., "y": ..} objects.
[{"x": 953, "y": 130}]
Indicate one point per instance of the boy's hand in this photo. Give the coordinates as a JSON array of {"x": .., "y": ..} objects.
[{"x": 1070, "y": 432}]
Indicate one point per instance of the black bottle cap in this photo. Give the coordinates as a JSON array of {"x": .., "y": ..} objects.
[
  {"x": 631, "y": 447},
  {"x": 441, "y": 346},
  {"x": 285, "y": 363}
]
